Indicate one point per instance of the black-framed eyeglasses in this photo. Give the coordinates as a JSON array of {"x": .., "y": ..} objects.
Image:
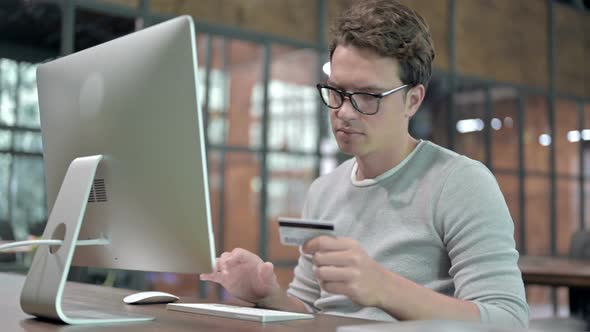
[{"x": 364, "y": 102}]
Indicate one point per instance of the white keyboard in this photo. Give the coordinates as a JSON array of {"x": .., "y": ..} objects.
[{"x": 230, "y": 311}]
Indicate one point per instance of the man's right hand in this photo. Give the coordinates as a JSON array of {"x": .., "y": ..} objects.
[{"x": 244, "y": 275}]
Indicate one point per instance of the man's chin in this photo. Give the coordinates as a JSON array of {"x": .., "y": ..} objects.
[{"x": 349, "y": 149}]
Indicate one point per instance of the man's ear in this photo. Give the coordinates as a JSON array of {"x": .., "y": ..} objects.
[{"x": 414, "y": 98}]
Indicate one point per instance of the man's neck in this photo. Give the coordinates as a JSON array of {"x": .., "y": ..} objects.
[{"x": 372, "y": 165}]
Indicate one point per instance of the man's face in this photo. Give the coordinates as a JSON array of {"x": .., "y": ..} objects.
[{"x": 362, "y": 70}]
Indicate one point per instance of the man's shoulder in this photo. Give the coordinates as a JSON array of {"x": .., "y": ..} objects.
[
  {"x": 436, "y": 158},
  {"x": 452, "y": 167},
  {"x": 433, "y": 164}
]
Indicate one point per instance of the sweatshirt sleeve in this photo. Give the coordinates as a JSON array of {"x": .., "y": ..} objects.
[{"x": 478, "y": 232}]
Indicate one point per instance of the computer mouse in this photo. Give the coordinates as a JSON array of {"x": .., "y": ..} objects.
[{"x": 149, "y": 298}]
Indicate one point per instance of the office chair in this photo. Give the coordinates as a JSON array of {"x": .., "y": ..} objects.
[{"x": 579, "y": 297}]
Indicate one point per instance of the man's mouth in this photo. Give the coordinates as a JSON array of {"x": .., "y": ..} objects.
[{"x": 349, "y": 131}]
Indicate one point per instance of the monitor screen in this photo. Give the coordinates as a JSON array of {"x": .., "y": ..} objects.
[{"x": 133, "y": 100}]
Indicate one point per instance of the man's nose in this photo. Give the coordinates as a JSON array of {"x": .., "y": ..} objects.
[{"x": 347, "y": 111}]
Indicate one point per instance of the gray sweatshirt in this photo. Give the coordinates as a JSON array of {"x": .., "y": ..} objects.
[{"x": 438, "y": 219}]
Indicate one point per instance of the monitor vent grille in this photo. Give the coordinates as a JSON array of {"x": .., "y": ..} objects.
[{"x": 98, "y": 192}]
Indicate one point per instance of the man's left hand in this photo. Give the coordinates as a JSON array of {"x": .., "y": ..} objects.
[{"x": 343, "y": 267}]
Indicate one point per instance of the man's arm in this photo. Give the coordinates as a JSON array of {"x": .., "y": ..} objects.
[
  {"x": 279, "y": 299},
  {"x": 475, "y": 225},
  {"x": 407, "y": 300},
  {"x": 343, "y": 267}
]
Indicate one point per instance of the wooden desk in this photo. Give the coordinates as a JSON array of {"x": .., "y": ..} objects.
[
  {"x": 13, "y": 319},
  {"x": 555, "y": 271}
]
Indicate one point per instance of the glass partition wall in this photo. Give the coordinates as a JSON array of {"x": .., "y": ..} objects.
[{"x": 268, "y": 137}]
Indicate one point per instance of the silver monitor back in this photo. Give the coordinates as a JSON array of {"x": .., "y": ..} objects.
[{"x": 134, "y": 101}]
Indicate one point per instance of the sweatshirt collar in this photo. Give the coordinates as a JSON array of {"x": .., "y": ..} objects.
[{"x": 389, "y": 173}]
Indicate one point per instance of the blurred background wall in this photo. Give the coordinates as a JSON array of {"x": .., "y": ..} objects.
[{"x": 510, "y": 88}]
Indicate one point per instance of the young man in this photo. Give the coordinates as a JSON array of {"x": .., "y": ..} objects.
[{"x": 426, "y": 233}]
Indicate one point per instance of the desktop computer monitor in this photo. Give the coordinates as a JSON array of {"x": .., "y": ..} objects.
[{"x": 132, "y": 103}]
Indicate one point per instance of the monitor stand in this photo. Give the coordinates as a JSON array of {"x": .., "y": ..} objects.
[{"x": 42, "y": 292}]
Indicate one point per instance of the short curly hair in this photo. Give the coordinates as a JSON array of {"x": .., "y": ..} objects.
[{"x": 391, "y": 30}]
